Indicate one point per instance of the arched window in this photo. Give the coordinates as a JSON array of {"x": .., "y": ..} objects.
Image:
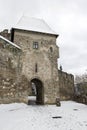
[{"x": 51, "y": 49}]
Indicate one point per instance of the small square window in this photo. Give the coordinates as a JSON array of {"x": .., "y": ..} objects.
[{"x": 35, "y": 45}]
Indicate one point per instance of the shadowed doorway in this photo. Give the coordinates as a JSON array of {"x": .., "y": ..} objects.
[{"x": 37, "y": 91}]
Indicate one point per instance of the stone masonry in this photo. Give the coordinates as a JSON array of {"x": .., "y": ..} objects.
[
  {"x": 13, "y": 85},
  {"x": 45, "y": 57},
  {"x": 35, "y": 63},
  {"x": 66, "y": 85}
]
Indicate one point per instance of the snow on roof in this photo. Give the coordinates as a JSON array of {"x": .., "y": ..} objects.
[
  {"x": 13, "y": 44},
  {"x": 34, "y": 24}
]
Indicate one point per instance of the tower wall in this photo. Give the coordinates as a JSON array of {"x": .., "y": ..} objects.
[{"x": 44, "y": 56}]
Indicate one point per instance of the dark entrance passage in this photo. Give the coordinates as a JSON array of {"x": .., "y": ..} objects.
[{"x": 37, "y": 90}]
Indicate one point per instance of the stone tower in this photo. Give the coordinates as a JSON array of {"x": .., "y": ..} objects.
[{"x": 39, "y": 58}]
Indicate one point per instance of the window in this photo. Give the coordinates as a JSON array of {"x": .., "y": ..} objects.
[
  {"x": 35, "y": 45},
  {"x": 36, "y": 68},
  {"x": 51, "y": 49}
]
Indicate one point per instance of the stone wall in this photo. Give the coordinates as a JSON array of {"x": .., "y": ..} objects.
[
  {"x": 17, "y": 69},
  {"x": 66, "y": 85},
  {"x": 45, "y": 57},
  {"x": 5, "y": 33},
  {"x": 12, "y": 83}
]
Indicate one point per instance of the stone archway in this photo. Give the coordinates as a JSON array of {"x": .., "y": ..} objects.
[{"x": 39, "y": 90}]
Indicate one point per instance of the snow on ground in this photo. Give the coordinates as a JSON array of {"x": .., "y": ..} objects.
[{"x": 19, "y": 116}]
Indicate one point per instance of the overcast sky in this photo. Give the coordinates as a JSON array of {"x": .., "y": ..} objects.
[{"x": 68, "y": 18}]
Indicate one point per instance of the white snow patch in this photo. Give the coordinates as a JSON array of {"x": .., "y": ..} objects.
[
  {"x": 19, "y": 116},
  {"x": 32, "y": 97},
  {"x": 13, "y": 44},
  {"x": 34, "y": 24}
]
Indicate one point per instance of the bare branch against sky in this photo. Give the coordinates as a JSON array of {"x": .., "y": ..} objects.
[{"x": 66, "y": 17}]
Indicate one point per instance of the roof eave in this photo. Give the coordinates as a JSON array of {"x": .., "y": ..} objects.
[{"x": 37, "y": 31}]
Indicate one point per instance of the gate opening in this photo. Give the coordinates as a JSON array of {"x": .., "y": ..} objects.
[{"x": 37, "y": 92}]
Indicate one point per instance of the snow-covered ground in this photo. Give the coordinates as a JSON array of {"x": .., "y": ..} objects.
[{"x": 19, "y": 116}]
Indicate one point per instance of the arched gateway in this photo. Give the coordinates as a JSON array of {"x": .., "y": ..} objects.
[{"x": 37, "y": 85}]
